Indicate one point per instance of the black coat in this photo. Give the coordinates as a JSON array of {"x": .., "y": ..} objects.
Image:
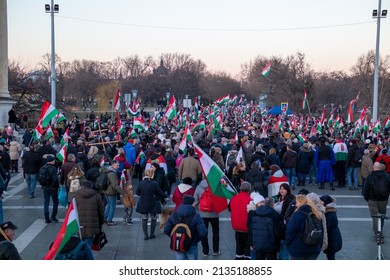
[
  {"x": 149, "y": 194},
  {"x": 335, "y": 241},
  {"x": 31, "y": 162},
  {"x": 305, "y": 160}
]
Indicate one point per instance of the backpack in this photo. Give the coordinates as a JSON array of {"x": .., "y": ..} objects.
[
  {"x": 313, "y": 233},
  {"x": 72, "y": 254},
  {"x": 74, "y": 185},
  {"x": 206, "y": 201},
  {"x": 379, "y": 188},
  {"x": 102, "y": 181},
  {"x": 45, "y": 177},
  {"x": 181, "y": 236}
]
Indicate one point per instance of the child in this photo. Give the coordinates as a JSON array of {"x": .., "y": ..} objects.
[
  {"x": 128, "y": 203},
  {"x": 335, "y": 240}
]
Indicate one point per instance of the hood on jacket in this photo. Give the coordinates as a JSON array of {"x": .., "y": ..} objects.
[
  {"x": 185, "y": 210},
  {"x": 184, "y": 187},
  {"x": 278, "y": 174},
  {"x": 265, "y": 211}
]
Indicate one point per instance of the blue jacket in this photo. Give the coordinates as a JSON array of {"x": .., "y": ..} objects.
[
  {"x": 149, "y": 194},
  {"x": 130, "y": 153},
  {"x": 335, "y": 241},
  {"x": 265, "y": 229},
  {"x": 197, "y": 226},
  {"x": 295, "y": 245}
]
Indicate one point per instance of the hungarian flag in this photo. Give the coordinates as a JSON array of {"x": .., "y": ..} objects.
[
  {"x": 233, "y": 99},
  {"x": 133, "y": 134},
  {"x": 48, "y": 113},
  {"x": 65, "y": 137},
  {"x": 123, "y": 179},
  {"x": 61, "y": 155},
  {"x": 101, "y": 162},
  {"x": 38, "y": 132},
  {"x": 304, "y": 102},
  {"x": 377, "y": 127},
  {"x": 69, "y": 227},
  {"x": 61, "y": 117},
  {"x": 139, "y": 123},
  {"x": 266, "y": 70},
  {"x": 216, "y": 178},
  {"x": 160, "y": 160},
  {"x": 302, "y": 137},
  {"x": 387, "y": 122},
  {"x": 170, "y": 113},
  {"x": 279, "y": 125},
  {"x": 222, "y": 100},
  {"x": 140, "y": 156},
  {"x": 351, "y": 108},
  {"x": 119, "y": 124},
  {"x": 49, "y": 132},
  {"x": 362, "y": 115},
  {"x": 236, "y": 137},
  {"x": 117, "y": 104}
]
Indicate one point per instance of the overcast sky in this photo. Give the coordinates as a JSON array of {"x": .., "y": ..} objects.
[{"x": 222, "y": 33}]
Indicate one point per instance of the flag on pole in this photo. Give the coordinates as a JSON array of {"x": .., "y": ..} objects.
[
  {"x": 236, "y": 137},
  {"x": 304, "y": 102},
  {"x": 387, "y": 122},
  {"x": 117, "y": 104},
  {"x": 69, "y": 227},
  {"x": 362, "y": 115},
  {"x": 140, "y": 157},
  {"x": 48, "y": 112},
  {"x": 38, "y": 131},
  {"x": 170, "y": 113},
  {"x": 65, "y": 137},
  {"x": 123, "y": 179},
  {"x": 101, "y": 162},
  {"x": 61, "y": 117},
  {"x": 222, "y": 100},
  {"x": 217, "y": 180},
  {"x": 351, "y": 108},
  {"x": 266, "y": 70},
  {"x": 49, "y": 132},
  {"x": 302, "y": 137},
  {"x": 138, "y": 123},
  {"x": 120, "y": 126},
  {"x": 133, "y": 134},
  {"x": 61, "y": 155}
]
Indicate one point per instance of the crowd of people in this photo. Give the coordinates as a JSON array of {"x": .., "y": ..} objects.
[{"x": 264, "y": 164}]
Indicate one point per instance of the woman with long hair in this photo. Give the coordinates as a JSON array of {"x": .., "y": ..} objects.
[
  {"x": 297, "y": 248},
  {"x": 73, "y": 184}
]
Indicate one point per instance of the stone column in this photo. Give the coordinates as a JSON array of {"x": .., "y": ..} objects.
[{"x": 5, "y": 99}]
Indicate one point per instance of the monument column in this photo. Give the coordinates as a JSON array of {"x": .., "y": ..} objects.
[{"x": 5, "y": 99}]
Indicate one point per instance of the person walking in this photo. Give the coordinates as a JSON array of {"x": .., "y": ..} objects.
[
  {"x": 31, "y": 161},
  {"x": 335, "y": 241},
  {"x": 197, "y": 227},
  {"x": 91, "y": 211},
  {"x": 376, "y": 193},
  {"x": 211, "y": 218},
  {"x": 190, "y": 167},
  {"x": 367, "y": 165},
  {"x": 14, "y": 154},
  {"x": 50, "y": 191},
  {"x": 149, "y": 197},
  {"x": 181, "y": 190}
]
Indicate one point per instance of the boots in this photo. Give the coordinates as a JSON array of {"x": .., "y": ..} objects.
[
  {"x": 331, "y": 187},
  {"x": 299, "y": 183},
  {"x": 303, "y": 183},
  {"x": 145, "y": 228},
  {"x": 321, "y": 186},
  {"x": 152, "y": 228}
]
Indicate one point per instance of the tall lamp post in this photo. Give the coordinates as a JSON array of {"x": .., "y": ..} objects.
[
  {"x": 53, "y": 8},
  {"x": 378, "y": 14}
]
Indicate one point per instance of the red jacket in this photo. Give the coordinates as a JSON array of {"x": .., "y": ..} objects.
[
  {"x": 384, "y": 158},
  {"x": 239, "y": 214},
  {"x": 180, "y": 191}
]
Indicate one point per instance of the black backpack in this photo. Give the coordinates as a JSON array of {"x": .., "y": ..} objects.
[
  {"x": 45, "y": 177},
  {"x": 102, "y": 181},
  {"x": 379, "y": 188},
  {"x": 313, "y": 233},
  {"x": 181, "y": 236}
]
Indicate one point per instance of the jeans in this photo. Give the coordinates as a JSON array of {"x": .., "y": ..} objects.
[
  {"x": 215, "y": 228},
  {"x": 302, "y": 176},
  {"x": 352, "y": 172},
  {"x": 191, "y": 254},
  {"x": 47, "y": 193},
  {"x": 290, "y": 173},
  {"x": 8, "y": 179},
  {"x": 109, "y": 211},
  {"x": 31, "y": 180},
  {"x": 313, "y": 174}
]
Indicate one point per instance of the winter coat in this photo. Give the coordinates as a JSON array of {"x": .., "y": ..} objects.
[
  {"x": 265, "y": 229},
  {"x": 14, "y": 150},
  {"x": 275, "y": 180},
  {"x": 239, "y": 214},
  {"x": 372, "y": 182},
  {"x": 65, "y": 169},
  {"x": 113, "y": 187},
  {"x": 8, "y": 250},
  {"x": 367, "y": 166},
  {"x": 161, "y": 179},
  {"x": 197, "y": 226},
  {"x": 31, "y": 162},
  {"x": 180, "y": 191},
  {"x": 258, "y": 181},
  {"x": 305, "y": 160},
  {"x": 128, "y": 197},
  {"x": 190, "y": 167},
  {"x": 295, "y": 227},
  {"x": 91, "y": 211},
  {"x": 82, "y": 157},
  {"x": 171, "y": 166},
  {"x": 130, "y": 153},
  {"x": 54, "y": 178},
  {"x": 149, "y": 194},
  {"x": 290, "y": 159},
  {"x": 274, "y": 159},
  {"x": 335, "y": 240},
  {"x": 92, "y": 173}
]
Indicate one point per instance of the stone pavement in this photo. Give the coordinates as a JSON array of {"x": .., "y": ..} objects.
[{"x": 33, "y": 237}]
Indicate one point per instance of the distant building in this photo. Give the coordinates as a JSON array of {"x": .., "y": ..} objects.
[{"x": 161, "y": 70}]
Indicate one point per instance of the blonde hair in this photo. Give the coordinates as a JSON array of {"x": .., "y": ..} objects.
[
  {"x": 304, "y": 201},
  {"x": 76, "y": 172},
  {"x": 149, "y": 173},
  {"x": 92, "y": 151}
]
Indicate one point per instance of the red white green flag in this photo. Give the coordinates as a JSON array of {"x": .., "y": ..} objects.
[
  {"x": 38, "y": 132},
  {"x": 69, "y": 227},
  {"x": 222, "y": 100},
  {"x": 139, "y": 123},
  {"x": 304, "y": 102},
  {"x": 65, "y": 137},
  {"x": 140, "y": 156},
  {"x": 302, "y": 137},
  {"x": 266, "y": 70},
  {"x": 160, "y": 160},
  {"x": 117, "y": 104},
  {"x": 216, "y": 178},
  {"x": 101, "y": 162},
  {"x": 49, "y": 132},
  {"x": 387, "y": 122},
  {"x": 123, "y": 179},
  {"x": 170, "y": 113},
  {"x": 61, "y": 117},
  {"x": 61, "y": 155},
  {"x": 48, "y": 113}
]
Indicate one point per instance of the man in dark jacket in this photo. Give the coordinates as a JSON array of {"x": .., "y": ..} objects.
[
  {"x": 265, "y": 228},
  {"x": 197, "y": 227},
  {"x": 8, "y": 250},
  {"x": 51, "y": 191},
  {"x": 31, "y": 162},
  {"x": 376, "y": 193},
  {"x": 289, "y": 163}
]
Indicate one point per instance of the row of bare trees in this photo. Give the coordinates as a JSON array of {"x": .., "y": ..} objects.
[{"x": 92, "y": 84}]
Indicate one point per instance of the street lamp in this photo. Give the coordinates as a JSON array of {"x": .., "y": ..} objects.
[
  {"x": 168, "y": 94},
  {"x": 53, "y": 8},
  {"x": 378, "y": 14}
]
